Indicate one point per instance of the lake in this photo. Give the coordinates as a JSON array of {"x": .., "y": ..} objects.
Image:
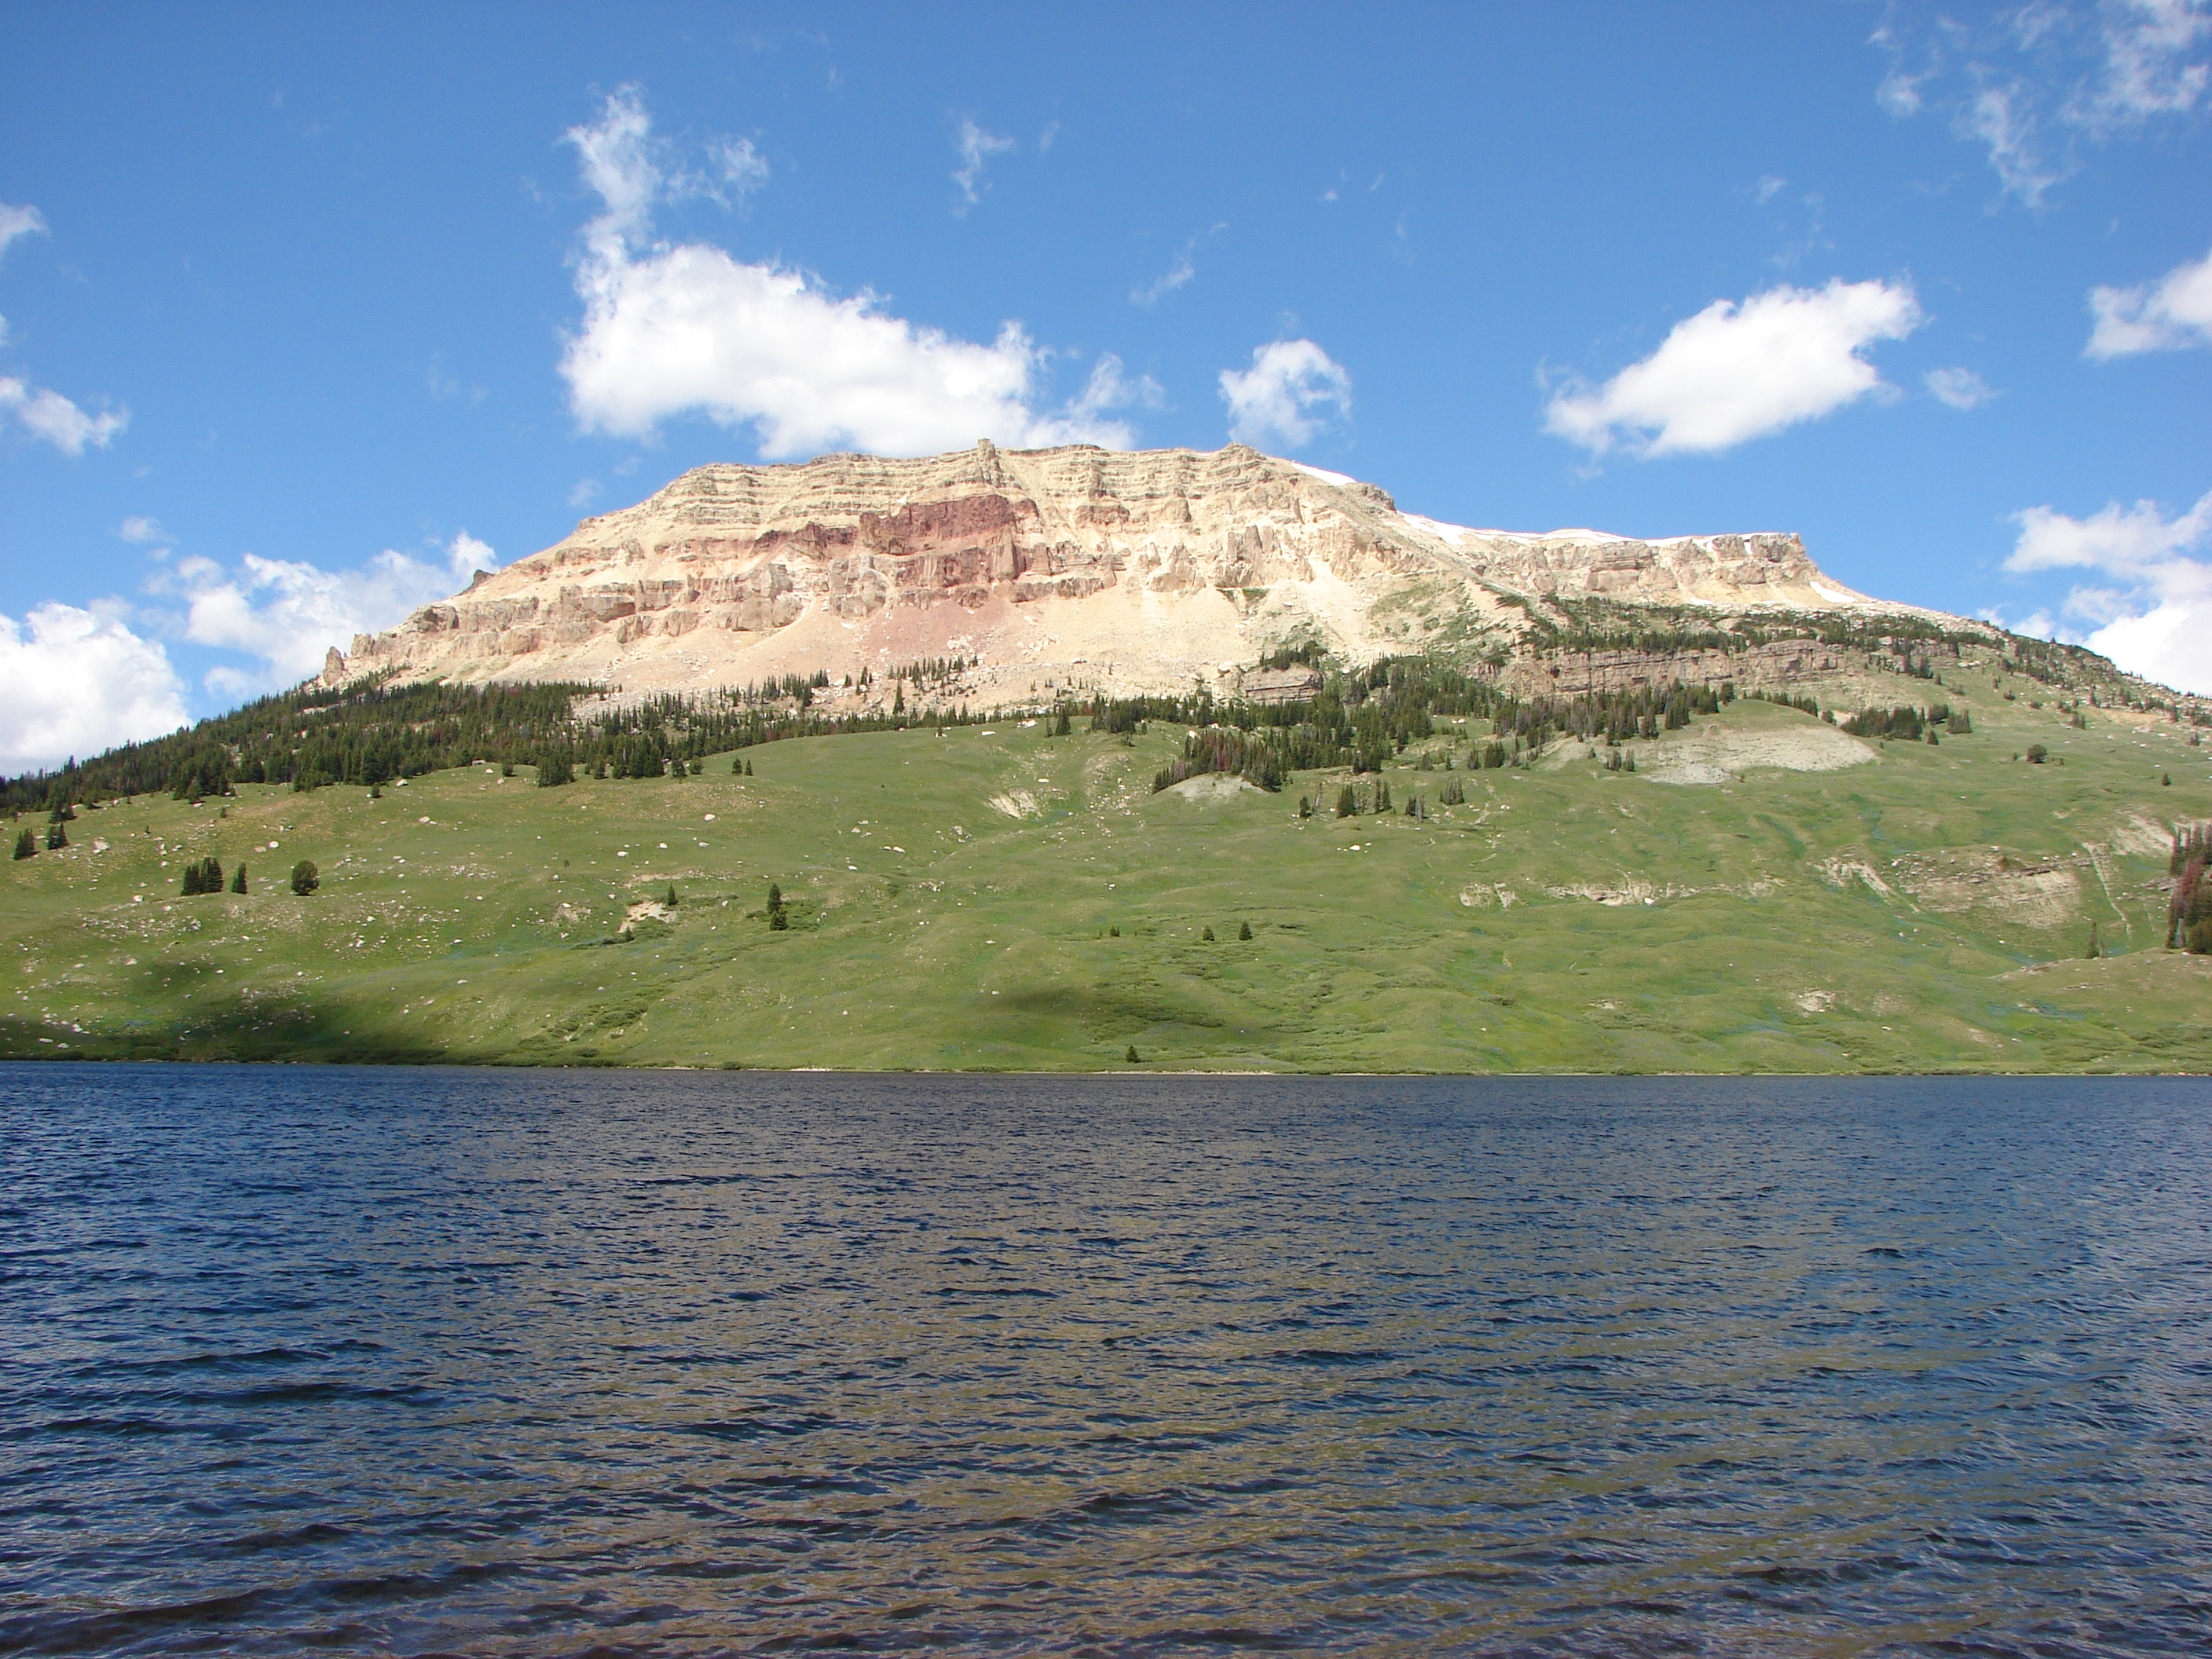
[{"x": 592, "y": 1362}]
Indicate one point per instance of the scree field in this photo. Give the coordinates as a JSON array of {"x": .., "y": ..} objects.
[{"x": 998, "y": 898}]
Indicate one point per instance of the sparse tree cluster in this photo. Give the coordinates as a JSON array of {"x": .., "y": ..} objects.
[
  {"x": 2189, "y": 900},
  {"x": 1905, "y": 722}
]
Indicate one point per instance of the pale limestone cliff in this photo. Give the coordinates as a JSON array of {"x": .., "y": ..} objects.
[{"x": 1074, "y": 566}]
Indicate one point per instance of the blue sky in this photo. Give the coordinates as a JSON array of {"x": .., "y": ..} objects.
[{"x": 311, "y": 311}]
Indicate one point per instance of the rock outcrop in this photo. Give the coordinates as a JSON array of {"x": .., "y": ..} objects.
[{"x": 1074, "y": 566}]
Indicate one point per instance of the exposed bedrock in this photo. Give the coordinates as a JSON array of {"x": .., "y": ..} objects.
[{"x": 1159, "y": 563}]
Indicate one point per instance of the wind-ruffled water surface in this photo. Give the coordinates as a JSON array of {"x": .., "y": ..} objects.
[{"x": 559, "y": 1363}]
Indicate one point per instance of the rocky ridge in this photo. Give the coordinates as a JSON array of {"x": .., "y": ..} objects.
[{"x": 1071, "y": 566}]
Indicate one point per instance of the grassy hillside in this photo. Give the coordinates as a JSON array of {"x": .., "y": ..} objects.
[{"x": 954, "y": 895}]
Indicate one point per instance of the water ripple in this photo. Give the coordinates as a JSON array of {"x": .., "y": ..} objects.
[{"x": 607, "y": 1364}]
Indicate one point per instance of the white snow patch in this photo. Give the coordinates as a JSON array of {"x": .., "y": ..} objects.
[
  {"x": 1322, "y": 473},
  {"x": 1834, "y": 596},
  {"x": 1445, "y": 532}
]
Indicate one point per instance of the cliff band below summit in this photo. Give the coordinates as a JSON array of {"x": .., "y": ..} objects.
[{"x": 1074, "y": 567}]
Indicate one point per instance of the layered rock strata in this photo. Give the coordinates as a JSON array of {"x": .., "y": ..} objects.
[{"x": 1068, "y": 566}]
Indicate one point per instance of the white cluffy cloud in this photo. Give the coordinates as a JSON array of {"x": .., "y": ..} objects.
[
  {"x": 1735, "y": 372},
  {"x": 45, "y": 414},
  {"x": 75, "y": 681},
  {"x": 672, "y": 330},
  {"x": 2171, "y": 314},
  {"x": 1291, "y": 394},
  {"x": 1960, "y": 388},
  {"x": 2031, "y": 84},
  {"x": 2154, "y": 617},
  {"x": 289, "y": 613},
  {"x": 50, "y": 416}
]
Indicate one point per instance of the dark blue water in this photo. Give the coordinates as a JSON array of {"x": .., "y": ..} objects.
[{"x": 507, "y": 1362}]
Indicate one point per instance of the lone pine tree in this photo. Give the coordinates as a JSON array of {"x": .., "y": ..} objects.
[{"x": 26, "y": 844}]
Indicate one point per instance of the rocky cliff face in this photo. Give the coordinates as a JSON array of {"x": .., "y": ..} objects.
[{"x": 1074, "y": 566}]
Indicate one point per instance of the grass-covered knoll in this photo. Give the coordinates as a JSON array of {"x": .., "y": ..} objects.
[{"x": 1003, "y": 897}]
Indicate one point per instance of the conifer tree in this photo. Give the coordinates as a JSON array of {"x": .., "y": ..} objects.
[
  {"x": 1347, "y": 802},
  {"x": 1206, "y": 934},
  {"x": 306, "y": 878},
  {"x": 1382, "y": 796},
  {"x": 1244, "y": 930},
  {"x": 1131, "y": 1055},
  {"x": 26, "y": 844},
  {"x": 779, "y": 920},
  {"x": 57, "y": 835},
  {"x": 238, "y": 880}
]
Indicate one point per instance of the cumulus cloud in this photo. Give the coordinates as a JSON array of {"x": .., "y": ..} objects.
[
  {"x": 1735, "y": 372},
  {"x": 75, "y": 681},
  {"x": 2171, "y": 314},
  {"x": 50, "y": 416},
  {"x": 1961, "y": 388},
  {"x": 975, "y": 149},
  {"x": 1291, "y": 394},
  {"x": 141, "y": 530},
  {"x": 287, "y": 612},
  {"x": 2153, "y": 614},
  {"x": 675, "y": 330},
  {"x": 2031, "y": 84}
]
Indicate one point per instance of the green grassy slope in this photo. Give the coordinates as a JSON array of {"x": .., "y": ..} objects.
[{"x": 1926, "y": 911}]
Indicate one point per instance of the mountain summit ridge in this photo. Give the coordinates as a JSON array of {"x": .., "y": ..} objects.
[{"x": 1123, "y": 571}]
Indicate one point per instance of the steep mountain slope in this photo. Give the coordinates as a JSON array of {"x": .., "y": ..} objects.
[{"x": 1074, "y": 567}]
